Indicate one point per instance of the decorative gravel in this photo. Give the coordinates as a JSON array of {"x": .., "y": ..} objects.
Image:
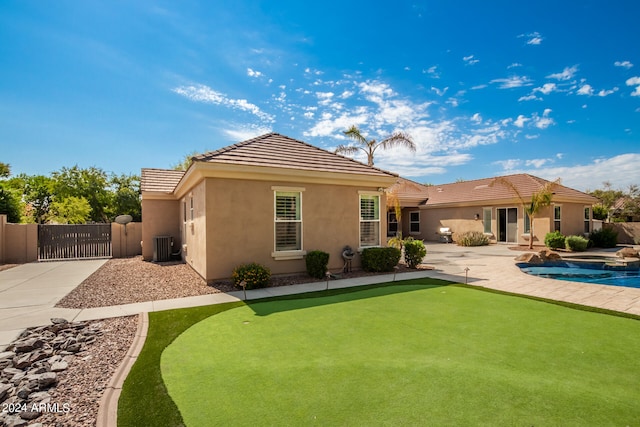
[{"x": 132, "y": 280}]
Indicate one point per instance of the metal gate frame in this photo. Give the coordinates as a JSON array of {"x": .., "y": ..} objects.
[{"x": 73, "y": 241}]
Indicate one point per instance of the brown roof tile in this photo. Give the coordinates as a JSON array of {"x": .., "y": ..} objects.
[
  {"x": 482, "y": 190},
  {"x": 160, "y": 180},
  {"x": 275, "y": 150}
]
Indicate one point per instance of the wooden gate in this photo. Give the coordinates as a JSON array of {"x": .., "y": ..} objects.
[{"x": 66, "y": 241}]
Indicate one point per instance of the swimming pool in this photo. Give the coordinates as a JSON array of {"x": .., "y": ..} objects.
[{"x": 597, "y": 273}]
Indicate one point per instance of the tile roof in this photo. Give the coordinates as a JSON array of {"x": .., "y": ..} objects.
[
  {"x": 408, "y": 193},
  {"x": 482, "y": 190},
  {"x": 160, "y": 180},
  {"x": 275, "y": 150}
]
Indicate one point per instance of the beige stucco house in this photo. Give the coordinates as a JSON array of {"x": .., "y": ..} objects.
[
  {"x": 487, "y": 206},
  {"x": 269, "y": 200}
]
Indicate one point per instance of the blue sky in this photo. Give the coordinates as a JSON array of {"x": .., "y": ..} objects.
[{"x": 485, "y": 88}]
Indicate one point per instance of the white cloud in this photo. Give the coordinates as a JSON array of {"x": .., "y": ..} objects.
[
  {"x": 478, "y": 87},
  {"x": 607, "y": 92},
  {"x": 585, "y": 90},
  {"x": 546, "y": 88},
  {"x": 634, "y": 81},
  {"x": 623, "y": 64},
  {"x": 253, "y": 73},
  {"x": 520, "y": 121},
  {"x": 476, "y": 118},
  {"x": 242, "y": 133},
  {"x": 537, "y": 163},
  {"x": 432, "y": 71},
  {"x": 512, "y": 82},
  {"x": 509, "y": 164},
  {"x": 591, "y": 175},
  {"x": 203, "y": 93},
  {"x": 534, "y": 38},
  {"x": 439, "y": 92},
  {"x": 470, "y": 60},
  {"x": 529, "y": 98},
  {"x": 567, "y": 74},
  {"x": 324, "y": 98},
  {"x": 544, "y": 121},
  {"x": 346, "y": 94},
  {"x": 514, "y": 65}
]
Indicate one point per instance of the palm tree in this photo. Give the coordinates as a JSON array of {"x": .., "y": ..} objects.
[
  {"x": 396, "y": 139},
  {"x": 539, "y": 200}
]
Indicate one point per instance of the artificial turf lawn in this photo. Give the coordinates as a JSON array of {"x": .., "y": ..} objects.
[{"x": 406, "y": 354}]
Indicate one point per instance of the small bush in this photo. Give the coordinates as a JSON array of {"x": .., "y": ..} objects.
[
  {"x": 472, "y": 238},
  {"x": 254, "y": 275},
  {"x": 576, "y": 243},
  {"x": 555, "y": 240},
  {"x": 380, "y": 259},
  {"x": 414, "y": 252},
  {"x": 604, "y": 238},
  {"x": 317, "y": 264}
]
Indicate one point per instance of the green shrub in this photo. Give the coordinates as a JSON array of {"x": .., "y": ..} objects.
[
  {"x": 472, "y": 238},
  {"x": 414, "y": 252},
  {"x": 254, "y": 275},
  {"x": 555, "y": 240},
  {"x": 576, "y": 243},
  {"x": 317, "y": 263},
  {"x": 380, "y": 259},
  {"x": 604, "y": 238}
]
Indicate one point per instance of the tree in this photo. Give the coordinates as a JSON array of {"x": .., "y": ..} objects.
[
  {"x": 125, "y": 198},
  {"x": 5, "y": 170},
  {"x": 9, "y": 203},
  {"x": 90, "y": 184},
  {"x": 539, "y": 200},
  {"x": 186, "y": 162},
  {"x": 70, "y": 210},
  {"x": 396, "y": 139}
]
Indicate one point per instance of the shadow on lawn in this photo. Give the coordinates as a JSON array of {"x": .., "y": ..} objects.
[{"x": 267, "y": 306}]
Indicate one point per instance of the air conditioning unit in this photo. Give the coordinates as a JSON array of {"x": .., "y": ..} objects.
[{"x": 161, "y": 248}]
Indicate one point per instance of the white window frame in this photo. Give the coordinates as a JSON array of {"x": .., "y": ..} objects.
[
  {"x": 587, "y": 219},
  {"x": 526, "y": 222},
  {"x": 412, "y": 222},
  {"x": 557, "y": 221},
  {"x": 288, "y": 254},
  {"x": 361, "y": 196},
  {"x": 487, "y": 217}
]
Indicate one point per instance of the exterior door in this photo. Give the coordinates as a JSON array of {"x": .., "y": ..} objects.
[{"x": 507, "y": 225}]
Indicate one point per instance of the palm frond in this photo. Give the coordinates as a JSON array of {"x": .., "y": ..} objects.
[
  {"x": 398, "y": 139},
  {"x": 354, "y": 133},
  {"x": 346, "y": 149}
]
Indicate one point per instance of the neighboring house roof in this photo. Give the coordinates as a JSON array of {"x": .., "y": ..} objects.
[
  {"x": 408, "y": 193},
  {"x": 160, "y": 180},
  {"x": 275, "y": 150},
  {"x": 482, "y": 190}
]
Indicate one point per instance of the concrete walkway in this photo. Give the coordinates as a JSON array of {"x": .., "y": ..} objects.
[{"x": 28, "y": 293}]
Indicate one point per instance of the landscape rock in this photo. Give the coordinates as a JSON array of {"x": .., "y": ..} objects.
[
  {"x": 530, "y": 258},
  {"x": 549, "y": 255},
  {"x": 627, "y": 253}
]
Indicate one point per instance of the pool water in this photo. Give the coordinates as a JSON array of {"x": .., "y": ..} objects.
[{"x": 586, "y": 273}]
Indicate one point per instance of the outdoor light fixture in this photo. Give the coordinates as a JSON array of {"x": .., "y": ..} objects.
[{"x": 477, "y": 216}]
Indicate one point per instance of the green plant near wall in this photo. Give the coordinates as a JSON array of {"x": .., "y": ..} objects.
[
  {"x": 317, "y": 262},
  {"x": 555, "y": 240},
  {"x": 254, "y": 276},
  {"x": 576, "y": 243},
  {"x": 380, "y": 259},
  {"x": 414, "y": 252},
  {"x": 604, "y": 238},
  {"x": 472, "y": 238}
]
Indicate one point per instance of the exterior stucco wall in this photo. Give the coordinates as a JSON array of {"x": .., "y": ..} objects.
[
  {"x": 194, "y": 228},
  {"x": 462, "y": 219},
  {"x": 125, "y": 240},
  {"x": 20, "y": 243},
  {"x": 160, "y": 218},
  {"x": 240, "y": 224}
]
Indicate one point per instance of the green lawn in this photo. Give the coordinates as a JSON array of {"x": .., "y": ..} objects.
[{"x": 409, "y": 353}]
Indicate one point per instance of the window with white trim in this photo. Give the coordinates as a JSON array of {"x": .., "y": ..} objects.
[
  {"x": 557, "y": 217},
  {"x": 414, "y": 222},
  {"x": 392, "y": 223},
  {"x": 527, "y": 223},
  {"x": 369, "y": 220},
  {"x": 587, "y": 219},
  {"x": 288, "y": 221},
  {"x": 486, "y": 219}
]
